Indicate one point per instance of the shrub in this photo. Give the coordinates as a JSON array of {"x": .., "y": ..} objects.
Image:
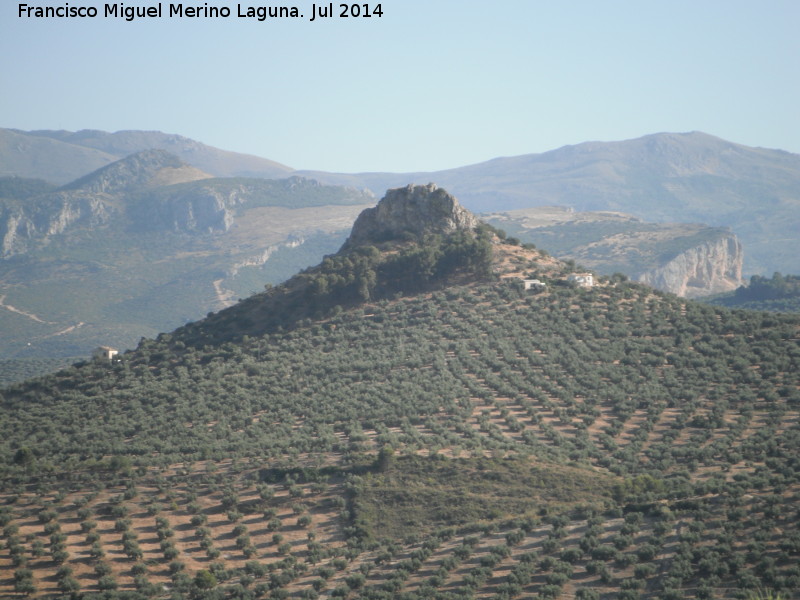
[{"x": 205, "y": 580}]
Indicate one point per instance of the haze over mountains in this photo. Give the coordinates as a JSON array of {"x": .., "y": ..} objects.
[{"x": 665, "y": 177}]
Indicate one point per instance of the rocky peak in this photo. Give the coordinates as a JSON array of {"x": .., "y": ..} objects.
[{"x": 414, "y": 209}]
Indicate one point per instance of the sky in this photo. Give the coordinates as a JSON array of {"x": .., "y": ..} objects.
[{"x": 429, "y": 85}]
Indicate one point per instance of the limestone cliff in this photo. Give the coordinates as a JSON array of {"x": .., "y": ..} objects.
[
  {"x": 22, "y": 225},
  {"x": 708, "y": 268},
  {"x": 414, "y": 210},
  {"x": 203, "y": 208},
  {"x": 213, "y": 205}
]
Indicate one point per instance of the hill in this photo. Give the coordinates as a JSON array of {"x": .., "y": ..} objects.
[
  {"x": 405, "y": 420},
  {"x": 149, "y": 242}
]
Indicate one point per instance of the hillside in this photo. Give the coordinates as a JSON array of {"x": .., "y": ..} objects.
[
  {"x": 405, "y": 420},
  {"x": 150, "y": 242},
  {"x": 780, "y": 293}
]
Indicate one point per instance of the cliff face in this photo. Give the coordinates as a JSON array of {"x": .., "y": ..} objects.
[
  {"x": 709, "y": 268},
  {"x": 414, "y": 209},
  {"x": 21, "y": 226},
  {"x": 198, "y": 209}
]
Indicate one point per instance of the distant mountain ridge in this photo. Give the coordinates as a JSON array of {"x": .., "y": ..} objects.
[
  {"x": 663, "y": 177},
  {"x": 143, "y": 169},
  {"x": 63, "y": 156},
  {"x": 91, "y": 201}
]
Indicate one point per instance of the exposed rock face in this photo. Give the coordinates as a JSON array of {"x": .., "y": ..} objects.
[
  {"x": 706, "y": 269},
  {"x": 414, "y": 209},
  {"x": 203, "y": 209},
  {"x": 21, "y": 226},
  {"x": 212, "y": 206}
]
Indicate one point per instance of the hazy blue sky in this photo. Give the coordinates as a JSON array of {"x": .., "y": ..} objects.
[{"x": 430, "y": 85}]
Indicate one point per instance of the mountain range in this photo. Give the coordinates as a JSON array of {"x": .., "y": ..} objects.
[{"x": 666, "y": 177}]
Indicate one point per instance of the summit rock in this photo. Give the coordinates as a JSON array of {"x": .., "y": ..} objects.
[{"x": 411, "y": 210}]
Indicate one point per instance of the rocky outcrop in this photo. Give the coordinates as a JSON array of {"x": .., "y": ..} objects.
[
  {"x": 412, "y": 210},
  {"x": 212, "y": 205},
  {"x": 709, "y": 268},
  {"x": 263, "y": 256},
  {"x": 203, "y": 209},
  {"x": 22, "y": 226}
]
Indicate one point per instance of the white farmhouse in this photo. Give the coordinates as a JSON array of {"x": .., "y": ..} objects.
[
  {"x": 533, "y": 284},
  {"x": 581, "y": 279}
]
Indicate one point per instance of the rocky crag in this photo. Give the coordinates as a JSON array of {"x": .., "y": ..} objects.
[
  {"x": 709, "y": 268},
  {"x": 412, "y": 210},
  {"x": 21, "y": 226}
]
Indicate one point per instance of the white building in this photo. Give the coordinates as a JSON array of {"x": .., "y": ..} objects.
[
  {"x": 581, "y": 279},
  {"x": 533, "y": 284},
  {"x": 104, "y": 353}
]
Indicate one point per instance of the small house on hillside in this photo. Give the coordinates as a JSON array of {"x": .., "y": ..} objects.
[
  {"x": 104, "y": 353},
  {"x": 533, "y": 284},
  {"x": 581, "y": 279}
]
